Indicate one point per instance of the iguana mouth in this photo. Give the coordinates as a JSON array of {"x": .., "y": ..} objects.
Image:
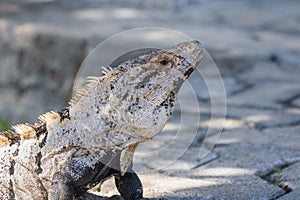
[{"x": 188, "y": 72}]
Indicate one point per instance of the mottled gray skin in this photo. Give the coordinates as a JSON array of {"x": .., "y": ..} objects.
[{"x": 68, "y": 152}]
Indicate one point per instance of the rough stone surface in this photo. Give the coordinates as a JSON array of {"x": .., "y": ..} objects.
[
  {"x": 296, "y": 102},
  {"x": 288, "y": 177},
  {"x": 260, "y": 118},
  {"x": 291, "y": 196},
  {"x": 257, "y": 96},
  {"x": 281, "y": 137},
  {"x": 275, "y": 69},
  {"x": 212, "y": 181},
  {"x": 255, "y": 45}
]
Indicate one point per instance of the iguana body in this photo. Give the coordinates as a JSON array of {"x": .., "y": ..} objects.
[{"x": 68, "y": 152}]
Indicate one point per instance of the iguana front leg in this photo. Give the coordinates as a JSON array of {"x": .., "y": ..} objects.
[
  {"x": 129, "y": 185},
  {"x": 127, "y": 181},
  {"x": 78, "y": 176},
  {"x": 61, "y": 187}
]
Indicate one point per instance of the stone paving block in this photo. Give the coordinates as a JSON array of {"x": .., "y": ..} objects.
[
  {"x": 288, "y": 177},
  {"x": 285, "y": 136},
  {"x": 270, "y": 72},
  {"x": 296, "y": 102},
  {"x": 232, "y": 175},
  {"x": 238, "y": 188},
  {"x": 265, "y": 95},
  {"x": 255, "y": 117},
  {"x": 259, "y": 158},
  {"x": 288, "y": 137},
  {"x": 215, "y": 184},
  {"x": 278, "y": 40},
  {"x": 294, "y": 195},
  {"x": 267, "y": 119}
]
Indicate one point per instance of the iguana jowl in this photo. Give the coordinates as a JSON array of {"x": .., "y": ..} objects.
[{"x": 68, "y": 152}]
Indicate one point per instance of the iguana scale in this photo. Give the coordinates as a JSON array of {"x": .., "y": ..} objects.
[{"x": 68, "y": 152}]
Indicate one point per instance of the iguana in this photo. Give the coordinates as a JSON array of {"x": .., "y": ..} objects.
[{"x": 68, "y": 152}]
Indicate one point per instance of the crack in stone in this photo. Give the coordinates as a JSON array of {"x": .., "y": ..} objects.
[
  {"x": 262, "y": 127},
  {"x": 289, "y": 102},
  {"x": 206, "y": 160},
  {"x": 245, "y": 86},
  {"x": 266, "y": 108},
  {"x": 276, "y": 169}
]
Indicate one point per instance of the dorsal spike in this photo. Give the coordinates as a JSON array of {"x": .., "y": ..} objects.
[
  {"x": 25, "y": 130},
  {"x": 4, "y": 141},
  {"x": 105, "y": 70},
  {"x": 9, "y": 138},
  {"x": 81, "y": 92},
  {"x": 110, "y": 68},
  {"x": 91, "y": 82},
  {"x": 92, "y": 78}
]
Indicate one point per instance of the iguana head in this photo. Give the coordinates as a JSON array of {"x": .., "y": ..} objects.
[{"x": 148, "y": 84}]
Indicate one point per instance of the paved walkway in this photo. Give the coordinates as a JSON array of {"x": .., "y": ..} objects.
[{"x": 256, "y": 46}]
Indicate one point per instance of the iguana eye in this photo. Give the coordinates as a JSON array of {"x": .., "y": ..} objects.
[{"x": 164, "y": 62}]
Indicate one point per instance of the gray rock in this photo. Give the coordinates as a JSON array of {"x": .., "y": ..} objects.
[
  {"x": 262, "y": 72},
  {"x": 291, "y": 196},
  {"x": 218, "y": 183},
  {"x": 288, "y": 177},
  {"x": 287, "y": 137},
  {"x": 244, "y": 188},
  {"x": 253, "y": 117},
  {"x": 251, "y": 158},
  {"x": 265, "y": 95},
  {"x": 233, "y": 175},
  {"x": 296, "y": 102}
]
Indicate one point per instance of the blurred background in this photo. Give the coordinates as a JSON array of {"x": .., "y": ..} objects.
[{"x": 43, "y": 42}]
